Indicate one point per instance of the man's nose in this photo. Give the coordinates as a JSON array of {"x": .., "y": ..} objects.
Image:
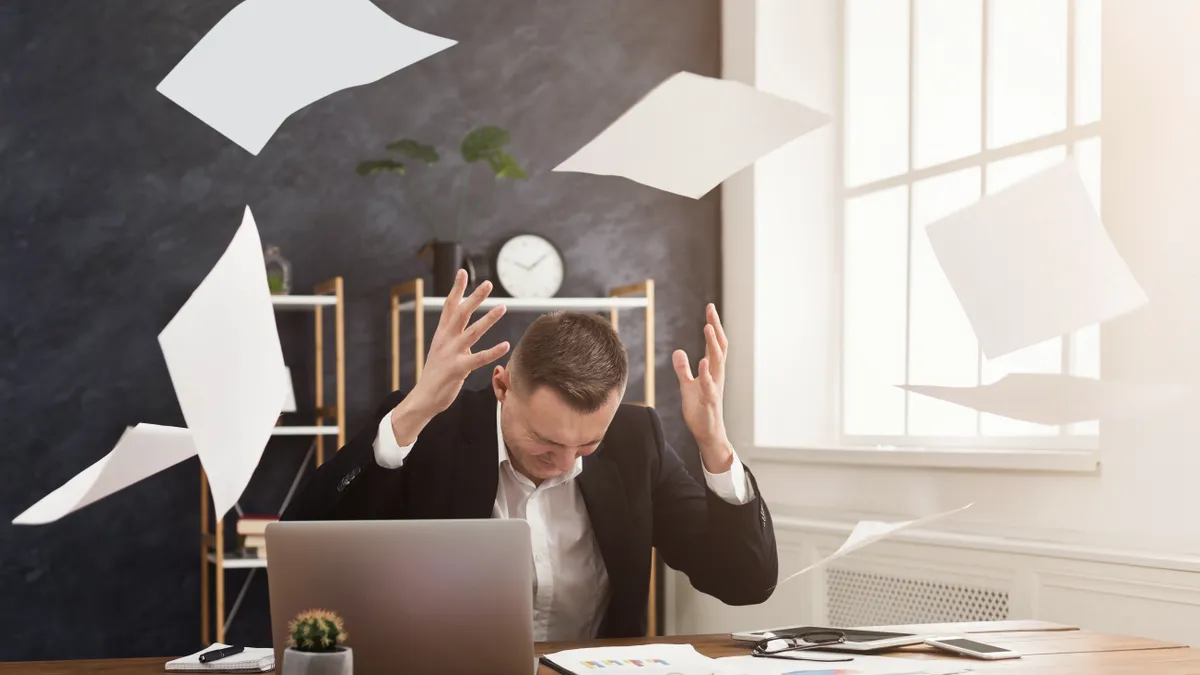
[{"x": 563, "y": 461}]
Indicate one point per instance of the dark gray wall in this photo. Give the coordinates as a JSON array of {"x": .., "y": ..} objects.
[{"x": 114, "y": 204}]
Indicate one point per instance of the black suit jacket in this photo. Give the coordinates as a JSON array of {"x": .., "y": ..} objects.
[{"x": 635, "y": 487}]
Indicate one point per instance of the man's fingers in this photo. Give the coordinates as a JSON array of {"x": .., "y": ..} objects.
[
  {"x": 476, "y": 330},
  {"x": 704, "y": 372},
  {"x": 712, "y": 348},
  {"x": 683, "y": 369},
  {"x": 468, "y": 306},
  {"x": 453, "y": 299},
  {"x": 715, "y": 320},
  {"x": 481, "y": 359}
]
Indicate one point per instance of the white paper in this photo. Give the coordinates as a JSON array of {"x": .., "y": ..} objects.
[
  {"x": 1033, "y": 262},
  {"x": 868, "y": 532},
  {"x": 861, "y": 665},
  {"x": 260, "y": 659},
  {"x": 141, "y": 452},
  {"x": 222, "y": 350},
  {"x": 266, "y": 59},
  {"x": 289, "y": 396},
  {"x": 653, "y": 659},
  {"x": 692, "y": 132},
  {"x": 1052, "y": 398}
]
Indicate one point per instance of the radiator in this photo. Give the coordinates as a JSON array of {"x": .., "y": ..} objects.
[{"x": 858, "y": 598}]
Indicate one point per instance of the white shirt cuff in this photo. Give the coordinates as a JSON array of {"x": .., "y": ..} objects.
[
  {"x": 388, "y": 453},
  {"x": 733, "y": 486}
]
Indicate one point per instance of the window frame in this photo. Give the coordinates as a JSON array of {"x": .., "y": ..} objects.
[{"x": 1063, "y": 451}]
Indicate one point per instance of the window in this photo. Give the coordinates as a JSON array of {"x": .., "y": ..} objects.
[{"x": 947, "y": 100}]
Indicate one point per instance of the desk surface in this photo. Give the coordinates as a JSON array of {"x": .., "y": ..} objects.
[{"x": 1049, "y": 649}]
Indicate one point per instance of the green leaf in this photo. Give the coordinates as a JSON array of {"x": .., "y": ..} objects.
[
  {"x": 483, "y": 142},
  {"x": 506, "y": 166},
  {"x": 374, "y": 166},
  {"x": 415, "y": 150}
]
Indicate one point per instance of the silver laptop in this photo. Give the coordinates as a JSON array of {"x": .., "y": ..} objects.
[{"x": 451, "y": 597}]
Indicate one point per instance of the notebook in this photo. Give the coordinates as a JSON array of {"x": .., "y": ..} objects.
[{"x": 252, "y": 660}]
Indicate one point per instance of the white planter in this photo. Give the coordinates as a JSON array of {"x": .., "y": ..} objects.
[{"x": 339, "y": 662}]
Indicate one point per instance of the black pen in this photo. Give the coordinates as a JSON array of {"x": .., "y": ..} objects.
[{"x": 217, "y": 654}]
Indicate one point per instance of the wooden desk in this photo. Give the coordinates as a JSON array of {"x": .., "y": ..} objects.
[{"x": 1050, "y": 649}]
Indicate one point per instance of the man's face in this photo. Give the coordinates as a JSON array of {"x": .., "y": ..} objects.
[{"x": 544, "y": 435}]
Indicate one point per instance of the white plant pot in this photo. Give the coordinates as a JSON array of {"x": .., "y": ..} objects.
[{"x": 338, "y": 662}]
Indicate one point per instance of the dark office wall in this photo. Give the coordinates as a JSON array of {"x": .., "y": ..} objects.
[{"x": 114, "y": 204}]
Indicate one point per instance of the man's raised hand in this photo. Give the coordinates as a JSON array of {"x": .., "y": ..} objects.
[{"x": 450, "y": 359}]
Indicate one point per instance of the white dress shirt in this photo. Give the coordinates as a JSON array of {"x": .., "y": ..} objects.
[{"x": 570, "y": 582}]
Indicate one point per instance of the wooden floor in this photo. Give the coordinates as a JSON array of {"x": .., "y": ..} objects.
[{"x": 1049, "y": 649}]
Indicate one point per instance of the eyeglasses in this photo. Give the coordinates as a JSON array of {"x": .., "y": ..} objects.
[{"x": 797, "y": 642}]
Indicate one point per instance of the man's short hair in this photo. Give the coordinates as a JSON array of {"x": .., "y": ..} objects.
[{"x": 580, "y": 356}]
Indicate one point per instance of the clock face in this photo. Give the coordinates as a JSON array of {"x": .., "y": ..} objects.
[{"x": 528, "y": 266}]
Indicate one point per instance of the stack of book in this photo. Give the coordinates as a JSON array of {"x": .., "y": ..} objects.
[{"x": 252, "y": 531}]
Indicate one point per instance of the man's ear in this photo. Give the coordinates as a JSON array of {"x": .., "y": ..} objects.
[{"x": 501, "y": 383}]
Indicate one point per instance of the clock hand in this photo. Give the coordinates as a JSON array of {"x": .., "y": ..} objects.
[{"x": 538, "y": 261}]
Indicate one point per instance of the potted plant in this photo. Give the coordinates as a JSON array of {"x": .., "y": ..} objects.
[
  {"x": 315, "y": 646},
  {"x": 484, "y": 144}
]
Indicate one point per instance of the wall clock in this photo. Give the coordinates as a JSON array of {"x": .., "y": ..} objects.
[{"x": 529, "y": 266}]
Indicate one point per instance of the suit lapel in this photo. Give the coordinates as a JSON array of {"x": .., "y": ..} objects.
[
  {"x": 608, "y": 510},
  {"x": 477, "y": 470}
]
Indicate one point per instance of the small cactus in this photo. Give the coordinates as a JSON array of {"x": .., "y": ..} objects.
[{"x": 316, "y": 630}]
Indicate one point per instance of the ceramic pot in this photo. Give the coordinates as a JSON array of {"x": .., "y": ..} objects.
[{"x": 337, "y": 662}]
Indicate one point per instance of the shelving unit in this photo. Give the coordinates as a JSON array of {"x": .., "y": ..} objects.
[
  {"x": 213, "y": 560},
  {"x": 639, "y": 295}
]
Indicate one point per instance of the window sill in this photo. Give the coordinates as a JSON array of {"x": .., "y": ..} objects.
[{"x": 1058, "y": 461}]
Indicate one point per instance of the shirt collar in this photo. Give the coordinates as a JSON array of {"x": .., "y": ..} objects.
[{"x": 503, "y": 457}]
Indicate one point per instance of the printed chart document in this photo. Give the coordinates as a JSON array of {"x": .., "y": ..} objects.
[
  {"x": 141, "y": 452},
  {"x": 868, "y": 532},
  {"x": 222, "y": 350},
  {"x": 1054, "y": 398},
  {"x": 266, "y": 59},
  {"x": 690, "y": 133},
  {"x": 656, "y": 659},
  {"x": 1033, "y": 262}
]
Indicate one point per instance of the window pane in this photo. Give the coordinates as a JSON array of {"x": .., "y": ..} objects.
[
  {"x": 942, "y": 346},
  {"x": 1087, "y": 61},
  {"x": 948, "y": 81},
  {"x": 876, "y": 253},
  {"x": 876, "y": 89},
  {"x": 1085, "y": 362},
  {"x": 1027, "y": 62},
  {"x": 1006, "y": 172},
  {"x": 1087, "y": 157}
]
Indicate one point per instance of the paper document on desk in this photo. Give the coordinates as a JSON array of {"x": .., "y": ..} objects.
[
  {"x": 656, "y": 659},
  {"x": 868, "y": 532},
  {"x": 861, "y": 665}
]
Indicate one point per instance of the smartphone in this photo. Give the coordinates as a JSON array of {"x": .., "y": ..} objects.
[{"x": 978, "y": 650}]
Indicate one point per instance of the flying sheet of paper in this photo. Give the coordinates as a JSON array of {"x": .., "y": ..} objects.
[
  {"x": 868, "y": 532},
  {"x": 1052, "y": 398},
  {"x": 266, "y": 59},
  {"x": 690, "y": 133},
  {"x": 1033, "y": 262},
  {"x": 141, "y": 452},
  {"x": 289, "y": 396},
  {"x": 222, "y": 350}
]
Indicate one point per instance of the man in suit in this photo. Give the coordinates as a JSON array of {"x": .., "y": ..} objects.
[{"x": 550, "y": 442}]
